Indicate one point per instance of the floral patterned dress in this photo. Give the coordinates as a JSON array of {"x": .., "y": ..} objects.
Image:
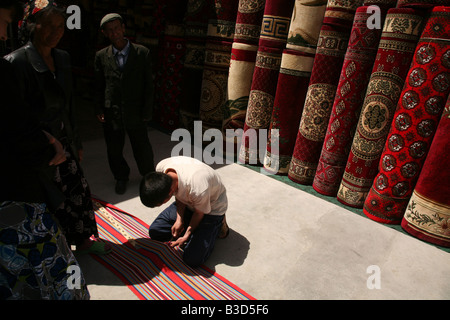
[{"x": 35, "y": 261}]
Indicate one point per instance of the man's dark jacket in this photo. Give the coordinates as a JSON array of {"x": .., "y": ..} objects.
[{"x": 125, "y": 97}]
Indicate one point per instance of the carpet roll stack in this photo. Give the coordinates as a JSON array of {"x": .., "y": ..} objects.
[
  {"x": 331, "y": 48},
  {"x": 399, "y": 38},
  {"x": 272, "y": 41},
  {"x": 295, "y": 72},
  {"x": 419, "y": 109}
]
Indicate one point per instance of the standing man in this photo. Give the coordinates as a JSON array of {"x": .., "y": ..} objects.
[
  {"x": 124, "y": 93},
  {"x": 197, "y": 217}
]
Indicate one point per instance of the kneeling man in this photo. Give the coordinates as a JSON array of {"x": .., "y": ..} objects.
[{"x": 197, "y": 217}]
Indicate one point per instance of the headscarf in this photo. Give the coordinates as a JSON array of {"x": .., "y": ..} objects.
[{"x": 30, "y": 10}]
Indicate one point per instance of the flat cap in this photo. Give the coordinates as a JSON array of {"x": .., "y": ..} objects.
[{"x": 110, "y": 17}]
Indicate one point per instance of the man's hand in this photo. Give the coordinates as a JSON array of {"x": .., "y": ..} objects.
[
  {"x": 197, "y": 216},
  {"x": 177, "y": 228},
  {"x": 180, "y": 242}
]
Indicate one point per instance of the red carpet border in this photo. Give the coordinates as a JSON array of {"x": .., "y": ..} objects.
[
  {"x": 401, "y": 32},
  {"x": 272, "y": 41},
  {"x": 351, "y": 90},
  {"x": 331, "y": 49},
  {"x": 427, "y": 216},
  {"x": 151, "y": 269},
  {"x": 418, "y": 112}
]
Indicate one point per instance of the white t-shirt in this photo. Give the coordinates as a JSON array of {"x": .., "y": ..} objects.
[{"x": 199, "y": 185}]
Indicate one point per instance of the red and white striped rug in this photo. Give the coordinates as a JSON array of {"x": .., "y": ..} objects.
[{"x": 151, "y": 269}]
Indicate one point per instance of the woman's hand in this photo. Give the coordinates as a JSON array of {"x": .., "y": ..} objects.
[
  {"x": 60, "y": 154},
  {"x": 101, "y": 117},
  {"x": 80, "y": 155}
]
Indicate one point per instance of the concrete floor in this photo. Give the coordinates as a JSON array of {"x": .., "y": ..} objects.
[{"x": 285, "y": 243}]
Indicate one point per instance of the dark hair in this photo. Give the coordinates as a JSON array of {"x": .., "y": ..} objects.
[
  {"x": 15, "y": 6},
  {"x": 154, "y": 188}
]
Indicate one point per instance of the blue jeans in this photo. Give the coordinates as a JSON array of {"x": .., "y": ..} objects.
[{"x": 201, "y": 243}]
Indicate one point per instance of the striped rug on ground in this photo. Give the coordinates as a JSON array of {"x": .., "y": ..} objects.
[{"x": 151, "y": 269}]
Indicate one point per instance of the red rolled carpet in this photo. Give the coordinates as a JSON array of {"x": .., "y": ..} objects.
[
  {"x": 272, "y": 41},
  {"x": 275, "y": 23},
  {"x": 355, "y": 76},
  {"x": 331, "y": 48},
  {"x": 418, "y": 112},
  {"x": 427, "y": 216},
  {"x": 295, "y": 72},
  {"x": 399, "y": 38},
  {"x": 290, "y": 97},
  {"x": 169, "y": 79},
  {"x": 248, "y": 21},
  {"x": 260, "y": 104},
  {"x": 242, "y": 64}
]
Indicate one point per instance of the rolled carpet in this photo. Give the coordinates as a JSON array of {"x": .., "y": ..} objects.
[
  {"x": 272, "y": 41},
  {"x": 415, "y": 120},
  {"x": 399, "y": 38},
  {"x": 354, "y": 78},
  {"x": 290, "y": 96},
  {"x": 427, "y": 216},
  {"x": 331, "y": 48}
]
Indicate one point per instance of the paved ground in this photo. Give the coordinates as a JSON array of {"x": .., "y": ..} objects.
[{"x": 285, "y": 243}]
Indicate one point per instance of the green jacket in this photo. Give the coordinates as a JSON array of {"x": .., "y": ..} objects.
[{"x": 124, "y": 97}]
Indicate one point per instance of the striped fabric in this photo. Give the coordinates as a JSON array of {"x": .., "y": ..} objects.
[{"x": 151, "y": 269}]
